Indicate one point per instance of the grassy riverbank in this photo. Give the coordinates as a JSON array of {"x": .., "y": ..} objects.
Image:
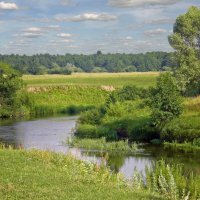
[{"x": 37, "y": 175}]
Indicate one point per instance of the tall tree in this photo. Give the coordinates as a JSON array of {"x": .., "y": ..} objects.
[{"x": 186, "y": 41}]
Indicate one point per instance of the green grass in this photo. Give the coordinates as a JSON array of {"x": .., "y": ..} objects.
[
  {"x": 102, "y": 145},
  {"x": 144, "y": 79},
  {"x": 65, "y": 99},
  {"x": 62, "y": 93},
  {"x": 187, "y": 126},
  {"x": 37, "y": 175},
  {"x": 184, "y": 146}
]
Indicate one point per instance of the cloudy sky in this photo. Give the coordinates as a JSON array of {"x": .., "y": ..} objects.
[{"x": 85, "y": 26}]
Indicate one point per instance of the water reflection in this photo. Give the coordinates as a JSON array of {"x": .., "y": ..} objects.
[{"x": 52, "y": 133}]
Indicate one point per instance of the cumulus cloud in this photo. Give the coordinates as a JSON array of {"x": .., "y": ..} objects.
[
  {"x": 140, "y": 3},
  {"x": 8, "y": 6},
  {"x": 87, "y": 17},
  {"x": 158, "y": 31}
]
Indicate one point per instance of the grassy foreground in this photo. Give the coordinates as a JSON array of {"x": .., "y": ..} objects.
[{"x": 37, "y": 175}]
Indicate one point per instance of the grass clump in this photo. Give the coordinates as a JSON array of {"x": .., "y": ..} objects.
[
  {"x": 171, "y": 181},
  {"x": 102, "y": 145},
  {"x": 194, "y": 145}
]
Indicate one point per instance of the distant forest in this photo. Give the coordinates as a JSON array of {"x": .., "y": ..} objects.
[{"x": 99, "y": 62}]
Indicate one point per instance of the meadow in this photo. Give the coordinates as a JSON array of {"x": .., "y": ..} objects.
[
  {"x": 144, "y": 79},
  {"x": 77, "y": 92}
]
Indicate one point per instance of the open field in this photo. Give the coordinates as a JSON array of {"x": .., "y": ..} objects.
[{"x": 144, "y": 79}]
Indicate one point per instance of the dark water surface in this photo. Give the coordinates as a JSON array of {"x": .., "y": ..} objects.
[{"x": 52, "y": 133}]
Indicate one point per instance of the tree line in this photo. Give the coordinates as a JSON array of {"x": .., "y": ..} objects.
[{"x": 99, "y": 62}]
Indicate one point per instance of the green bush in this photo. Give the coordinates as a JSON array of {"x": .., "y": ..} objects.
[
  {"x": 165, "y": 100},
  {"x": 185, "y": 128},
  {"x": 93, "y": 117},
  {"x": 87, "y": 131},
  {"x": 127, "y": 93}
]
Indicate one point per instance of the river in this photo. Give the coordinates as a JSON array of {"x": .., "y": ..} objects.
[{"x": 52, "y": 133}]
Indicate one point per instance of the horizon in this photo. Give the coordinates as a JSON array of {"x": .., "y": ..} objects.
[{"x": 83, "y": 27}]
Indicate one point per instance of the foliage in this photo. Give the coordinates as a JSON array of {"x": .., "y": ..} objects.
[
  {"x": 127, "y": 93},
  {"x": 165, "y": 100},
  {"x": 171, "y": 182},
  {"x": 116, "y": 121},
  {"x": 10, "y": 85},
  {"x": 45, "y": 63},
  {"x": 102, "y": 145},
  {"x": 185, "y": 40}
]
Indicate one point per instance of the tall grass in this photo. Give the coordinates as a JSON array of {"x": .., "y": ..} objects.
[
  {"x": 102, "y": 145},
  {"x": 65, "y": 99}
]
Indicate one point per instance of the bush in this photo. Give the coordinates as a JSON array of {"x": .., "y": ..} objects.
[
  {"x": 165, "y": 100},
  {"x": 182, "y": 129},
  {"x": 93, "y": 117},
  {"x": 87, "y": 131},
  {"x": 127, "y": 93}
]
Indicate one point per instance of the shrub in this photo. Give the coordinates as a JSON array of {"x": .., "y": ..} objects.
[
  {"x": 127, "y": 93},
  {"x": 93, "y": 117},
  {"x": 87, "y": 131},
  {"x": 165, "y": 100},
  {"x": 185, "y": 128}
]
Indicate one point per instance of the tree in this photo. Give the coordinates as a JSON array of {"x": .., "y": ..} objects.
[
  {"x": 165, "y": 100},
  {"x": 10, "y": 84},
  {"x": 186, "y": 41}
]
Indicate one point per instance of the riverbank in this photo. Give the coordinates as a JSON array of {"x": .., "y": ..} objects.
[{"x": 44, "y": 175}]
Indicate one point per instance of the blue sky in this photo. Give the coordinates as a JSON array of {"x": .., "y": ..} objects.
[{"x": 85, "y": 26}]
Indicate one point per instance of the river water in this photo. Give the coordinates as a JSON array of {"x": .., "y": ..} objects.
[{"x": 52, "y": 133}]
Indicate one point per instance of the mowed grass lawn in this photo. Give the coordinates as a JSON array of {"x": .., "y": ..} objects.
[
  {"x": 36, "y": 175},
  {"x": 141, "y": 79}
]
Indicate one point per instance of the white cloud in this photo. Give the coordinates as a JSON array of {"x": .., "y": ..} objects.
[
  {"x": 8, "y": 6},
  {"x": 31, "y": 35},
  {"x": 140, "y": 3},
  {"x": 33, "y": 29},
  {"x": 128, "y": 38},
  {"x": 157, "y": 31},
  {"x": 64, "y": 35},
  {"x": 86, "y": 17}
]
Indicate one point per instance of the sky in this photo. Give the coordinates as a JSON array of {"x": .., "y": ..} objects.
[{"x": 85, "y": 26}]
